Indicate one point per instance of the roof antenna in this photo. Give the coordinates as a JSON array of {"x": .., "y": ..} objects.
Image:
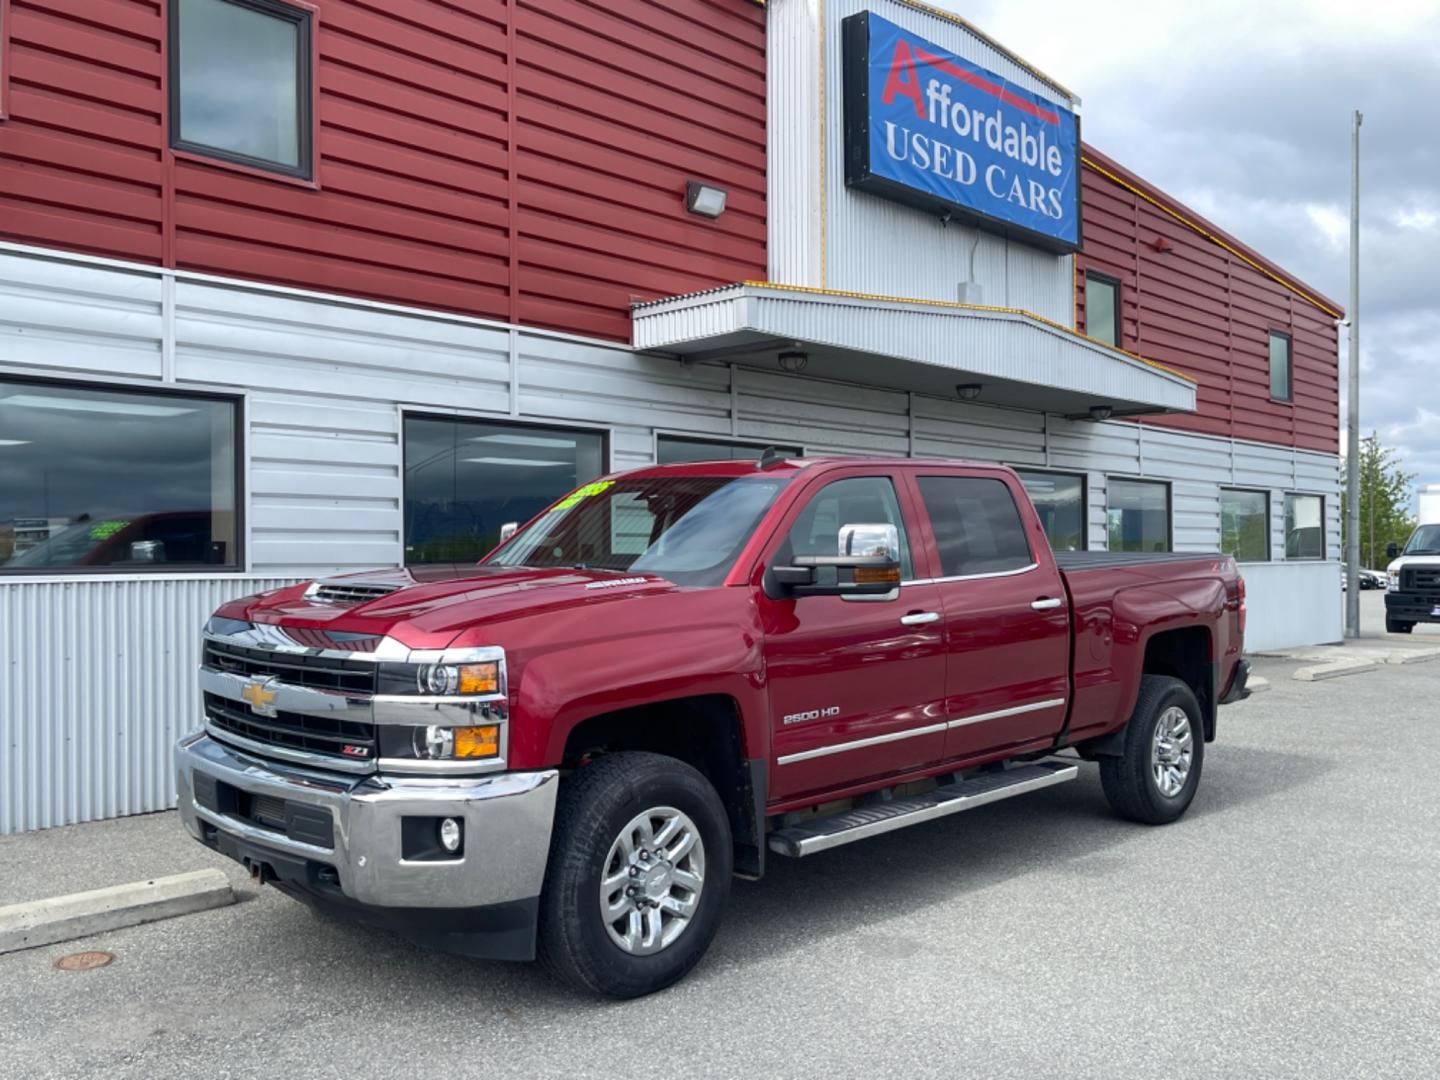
[{"x": 769, "y": 456}]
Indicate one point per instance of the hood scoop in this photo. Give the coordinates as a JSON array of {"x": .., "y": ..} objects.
[{"x": 342, "y": 593}]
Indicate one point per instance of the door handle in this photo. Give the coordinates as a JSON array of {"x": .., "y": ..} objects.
[
  {"x": 1046, "y": 603},
  {"x": 919, "y": 618}
]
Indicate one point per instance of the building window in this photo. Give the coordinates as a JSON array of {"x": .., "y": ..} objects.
[
  {"x": 676, "y": 450},
  {"x": 98, "y": 479},
  {"x": 464, "y": 479},
  {"x": 1304, "y": 527},
  {"x": 1137, "y": 515},
  {"x": 1281, "y": 367},
  {"x": 1245, "y": 525},
  {"x": 976, "y": 525},
  {"x": 1102, "y": 307},
  {"x": 240, "y": 83},
  {"x": 1059, "y": 499}
]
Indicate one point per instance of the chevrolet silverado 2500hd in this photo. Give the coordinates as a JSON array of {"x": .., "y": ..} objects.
[{"x": 674, "y": 673}]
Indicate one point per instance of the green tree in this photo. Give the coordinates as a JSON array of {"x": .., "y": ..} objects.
[{"x": 1385, "y": 497}]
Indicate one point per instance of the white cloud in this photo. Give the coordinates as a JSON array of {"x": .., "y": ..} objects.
[{"x": 1242, "y": 110}]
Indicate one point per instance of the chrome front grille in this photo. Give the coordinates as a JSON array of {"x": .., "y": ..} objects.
[
  {"x": 347, "y": 740},
  {"x": 296, "y": 669}
]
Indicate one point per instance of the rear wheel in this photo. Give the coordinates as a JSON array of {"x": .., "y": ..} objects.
[
  {"x": 1154, "y": 779},
  {"x": 639, "y": 871},
  {"x": 1396, "y": 626}
]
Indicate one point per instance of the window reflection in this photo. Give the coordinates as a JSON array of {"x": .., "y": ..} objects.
[
  {"x": 1060, "y": 502},
  {"x": 95, "y": 478},
  {"x": 464, "y": 479}
]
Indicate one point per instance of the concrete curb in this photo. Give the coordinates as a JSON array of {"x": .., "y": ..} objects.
[
  {"x": 62, "y": 918},
  {"x": 1333, "y": 669},
  {"x": 1412, "y": 656}
]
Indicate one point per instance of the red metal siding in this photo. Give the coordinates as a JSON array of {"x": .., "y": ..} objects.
[
  {"x": 1208, "y": 311},
  {"x": 522, "y": 160}
]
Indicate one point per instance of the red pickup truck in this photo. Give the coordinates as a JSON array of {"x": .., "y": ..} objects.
[{"x": 673, "y": 673}]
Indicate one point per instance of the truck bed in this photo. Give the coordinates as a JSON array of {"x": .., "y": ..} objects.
[{"x": 1070, "y": 561}]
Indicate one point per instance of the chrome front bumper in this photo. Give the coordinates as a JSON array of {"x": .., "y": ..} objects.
[{"x": 507, "y": 819}]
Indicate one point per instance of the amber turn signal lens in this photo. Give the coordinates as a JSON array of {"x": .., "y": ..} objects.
[
  {"x": 477, "y": 742},
  {"x": 480, "y": 679},
  {"x": 877, "y": 575}
]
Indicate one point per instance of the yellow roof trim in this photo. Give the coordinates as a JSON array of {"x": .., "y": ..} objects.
[
  {"x": 1289, "y": 286},
  {"x": 956, "y": 306}
]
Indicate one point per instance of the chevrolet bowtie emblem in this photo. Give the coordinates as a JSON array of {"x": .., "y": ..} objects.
[{"x": 259, "y": 696}]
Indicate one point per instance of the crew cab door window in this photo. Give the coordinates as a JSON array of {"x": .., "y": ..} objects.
[
  {"x": 855, "y": 690},
  {"x": 976, "y": 525},
  {"x": 1006, "y": 618}
]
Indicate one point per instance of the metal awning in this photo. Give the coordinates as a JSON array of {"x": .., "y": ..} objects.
[{"x": 1019, "y": 359}]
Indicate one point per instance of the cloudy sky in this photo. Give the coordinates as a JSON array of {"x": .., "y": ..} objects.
[{"x": 1242, "y": 110}]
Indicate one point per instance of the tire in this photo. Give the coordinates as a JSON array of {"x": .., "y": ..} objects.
[
  {"x": 1395, "y": 626},
  {"x": 597, "y": 838},
  {"x": 1131, "y": 785}
]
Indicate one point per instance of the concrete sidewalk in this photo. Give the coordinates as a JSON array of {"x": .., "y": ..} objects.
[{"x": 78, "y": 858}]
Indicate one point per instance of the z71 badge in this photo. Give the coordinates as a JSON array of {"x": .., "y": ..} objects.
[{"x": 813, "y": 714}]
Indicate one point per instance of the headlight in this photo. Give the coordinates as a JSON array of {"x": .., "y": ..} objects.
[
  {"x": 443, "y": 707},
  {"x": 449, "y": 680}
]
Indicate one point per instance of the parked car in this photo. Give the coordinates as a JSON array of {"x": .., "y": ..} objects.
[{"x": 674, "y": 674}]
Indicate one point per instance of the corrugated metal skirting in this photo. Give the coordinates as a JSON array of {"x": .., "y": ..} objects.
[{"x": 96, "y": 683}]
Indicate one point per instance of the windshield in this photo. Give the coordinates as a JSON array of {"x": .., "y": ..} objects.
[
  {"x": 1424, "y": 541},
  {"x": 688, "y": 529}
]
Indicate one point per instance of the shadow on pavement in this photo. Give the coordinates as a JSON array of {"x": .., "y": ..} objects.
[{"x": 802, "y": 903}]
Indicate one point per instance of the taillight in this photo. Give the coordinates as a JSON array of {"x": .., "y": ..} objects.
[{"x": 1241, "y": 595}]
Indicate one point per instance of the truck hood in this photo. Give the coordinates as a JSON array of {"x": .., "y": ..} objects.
[{"x": 426, "y": 607}]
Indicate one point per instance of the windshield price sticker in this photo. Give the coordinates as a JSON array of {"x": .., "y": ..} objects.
[
  {"x": 580, "y": 494},
  {"x": 103, "y": 530}
]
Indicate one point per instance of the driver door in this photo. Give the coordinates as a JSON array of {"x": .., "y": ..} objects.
[{"x": 856, "y": 684}]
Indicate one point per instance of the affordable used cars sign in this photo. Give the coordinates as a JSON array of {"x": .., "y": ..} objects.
[{"x": 926, "y": 127}]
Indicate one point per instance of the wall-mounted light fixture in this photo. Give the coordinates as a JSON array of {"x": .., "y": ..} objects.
[
  {"x": 794, "y": 360},
  {"x": 1101, "y": 412},
  {"x": 967, "y": 391},
  {"x": 707, "y": 200}
]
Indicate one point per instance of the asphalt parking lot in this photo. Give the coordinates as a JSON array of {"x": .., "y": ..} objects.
[{"x": 1288, "y": 926}]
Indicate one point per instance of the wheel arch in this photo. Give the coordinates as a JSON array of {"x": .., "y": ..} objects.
[
  {"x": 1186, "y": 653},
  {"x": 706, "y": 732}
]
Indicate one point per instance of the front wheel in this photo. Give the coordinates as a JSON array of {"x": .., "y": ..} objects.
[
  {"x": 1154, "y": 779},
  {"x": 1396, "y": 626},
  {"x": 639, "y": 871}
]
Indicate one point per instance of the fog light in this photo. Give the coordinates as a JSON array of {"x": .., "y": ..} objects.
[{"x": 450, "y": 834}]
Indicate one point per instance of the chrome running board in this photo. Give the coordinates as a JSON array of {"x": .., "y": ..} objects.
[{"x": 821, "y": 834}]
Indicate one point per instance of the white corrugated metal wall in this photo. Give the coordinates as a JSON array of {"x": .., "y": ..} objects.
[
  {"x": 97, "y": 684},
  {"x": 97, "y": 673}
]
